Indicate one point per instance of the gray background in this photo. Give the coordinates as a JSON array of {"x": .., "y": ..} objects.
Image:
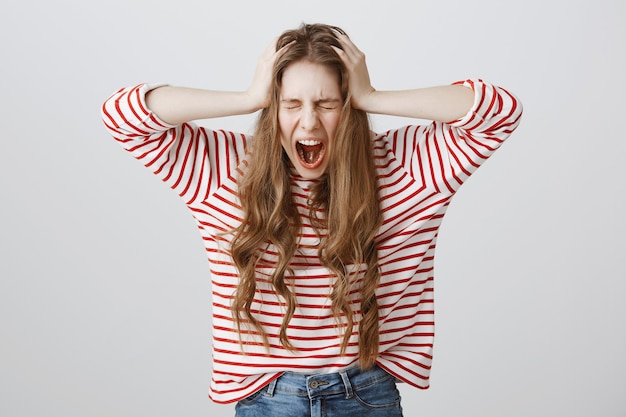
[{"x": 104, "y": 286}]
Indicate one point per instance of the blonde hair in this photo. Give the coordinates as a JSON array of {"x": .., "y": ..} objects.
[{"x": 347, "y": 194}]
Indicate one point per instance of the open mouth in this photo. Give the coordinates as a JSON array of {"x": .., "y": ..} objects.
[{"x": 310, "y": 152}]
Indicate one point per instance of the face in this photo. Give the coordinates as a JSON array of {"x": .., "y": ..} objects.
[{"x": 308, "y": 116}]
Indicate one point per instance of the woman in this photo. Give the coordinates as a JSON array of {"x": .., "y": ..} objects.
[{"x": 320, "y": 234}]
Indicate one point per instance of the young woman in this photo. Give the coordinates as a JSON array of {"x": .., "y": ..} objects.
[{"x": 320, "y": 234}]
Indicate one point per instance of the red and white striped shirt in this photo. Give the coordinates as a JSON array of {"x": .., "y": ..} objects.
[{"x": 419, "y": 168}]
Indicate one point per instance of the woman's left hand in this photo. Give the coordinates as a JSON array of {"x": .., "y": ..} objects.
[{"x": 359, "y": 80}]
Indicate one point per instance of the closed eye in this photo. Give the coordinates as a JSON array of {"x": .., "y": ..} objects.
[
  {"x": 290, "y": 104},
  {"x": 328, "y": 104}
]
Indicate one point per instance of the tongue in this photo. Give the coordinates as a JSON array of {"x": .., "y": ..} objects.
[{"x": 310, "y": 153}]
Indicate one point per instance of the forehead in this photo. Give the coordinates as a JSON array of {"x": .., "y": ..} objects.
[{"x": 305, "y": 79}]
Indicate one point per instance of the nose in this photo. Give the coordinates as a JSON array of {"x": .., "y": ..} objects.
[{"x": 309, "y": 120}]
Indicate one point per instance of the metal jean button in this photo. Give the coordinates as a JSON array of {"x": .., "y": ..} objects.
[{"x": 316, "y": 384}]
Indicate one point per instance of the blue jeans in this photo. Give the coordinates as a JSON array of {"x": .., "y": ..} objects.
[{"x": 371, "y": 393}]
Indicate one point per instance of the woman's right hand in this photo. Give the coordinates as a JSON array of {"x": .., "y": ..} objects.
[
  {"x": 260, "y": 90},
  {"x": 176, "y": 105}
]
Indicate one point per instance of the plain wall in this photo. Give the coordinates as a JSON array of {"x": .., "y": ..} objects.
[{"x": 104, "y": 284}]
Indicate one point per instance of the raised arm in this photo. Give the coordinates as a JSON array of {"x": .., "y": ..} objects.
[
  {"x": 155, "y": 124},
  {"x": 176, "y": 105},
  {"x": 470, "y": 120},
  {"x": 443, "y": 103}
]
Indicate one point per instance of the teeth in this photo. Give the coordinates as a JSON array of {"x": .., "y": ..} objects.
[{"x": 309, "y": 142}]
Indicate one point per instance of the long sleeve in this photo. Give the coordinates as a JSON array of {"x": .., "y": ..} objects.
[
  {"x": 444, "y": 155},
  {"x": 190, "y": 159}
]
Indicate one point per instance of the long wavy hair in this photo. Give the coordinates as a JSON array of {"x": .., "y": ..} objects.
[{"x": 346, "y": 196}]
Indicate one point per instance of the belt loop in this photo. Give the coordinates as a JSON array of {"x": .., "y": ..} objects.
[
  {"x": 346, "y": 383},
  {"x": 271, "y": 387}
]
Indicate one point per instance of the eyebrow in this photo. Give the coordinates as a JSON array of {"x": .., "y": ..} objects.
[{"x": 321, "y": 100}]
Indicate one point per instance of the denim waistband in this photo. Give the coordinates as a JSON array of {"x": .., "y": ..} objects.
[{"x": 316, "y": 385}]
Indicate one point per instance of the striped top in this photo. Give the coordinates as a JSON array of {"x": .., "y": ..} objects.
[{"x": 419, "y": 168}]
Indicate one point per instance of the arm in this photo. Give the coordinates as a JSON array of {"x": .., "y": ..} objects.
[
  {"x": 176, "y": 105},
  {"x": 190, "y": 159},
  {"x": 153, "y": 123},
  {"x": 470, "y": 120},
  {"x": 442, "y": 103}
]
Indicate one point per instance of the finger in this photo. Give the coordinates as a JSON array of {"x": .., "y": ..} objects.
[
  {"x": 342, "y": 55},
  {"x": 338, "y": 30},
  {"x": 345, "y": 40},
  {"x": 285, "y": 47},
  {"x": 349, "y": 48}
]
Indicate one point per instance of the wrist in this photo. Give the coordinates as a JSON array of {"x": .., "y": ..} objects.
[{"x": 365, "y": 101}]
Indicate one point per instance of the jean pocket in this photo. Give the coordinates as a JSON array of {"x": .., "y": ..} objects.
[
  {"x": 381, "y": 394},
  {"x": 252, "y": 398}
]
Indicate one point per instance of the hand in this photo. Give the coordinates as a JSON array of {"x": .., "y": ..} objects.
[
  {"x": 261, "y": 88},
  {"x": 359, "y": 80}
]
